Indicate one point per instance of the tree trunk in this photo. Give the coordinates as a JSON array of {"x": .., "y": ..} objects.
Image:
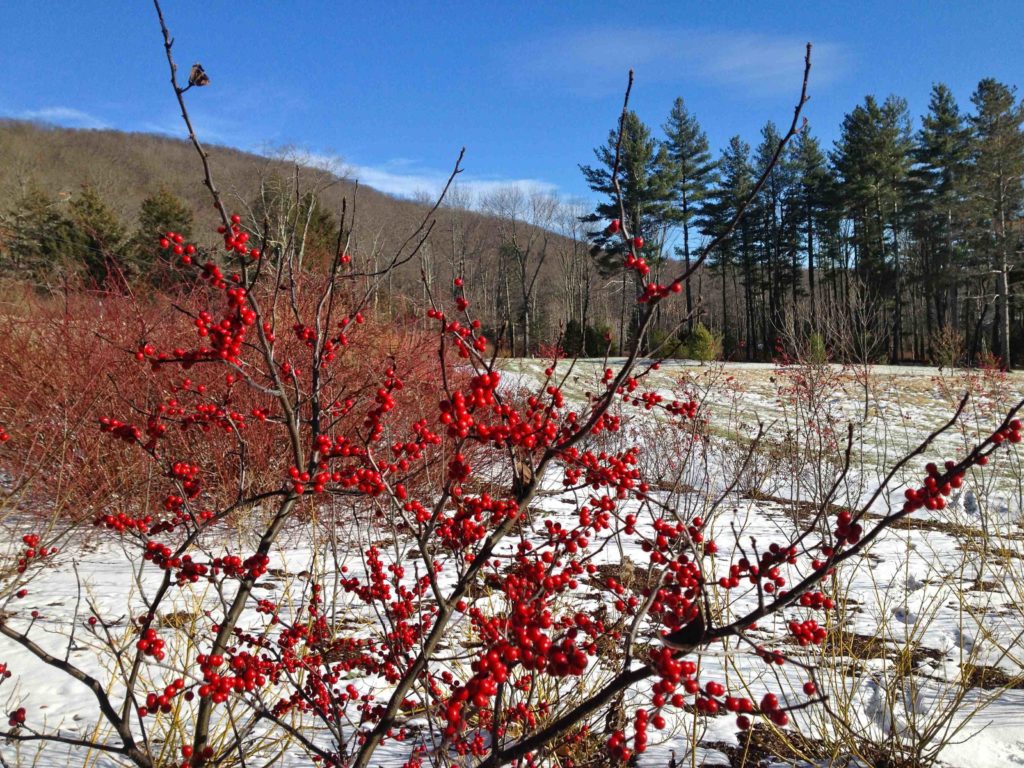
[
  {"x": 1004, "y": 312},
  {"x": 898, "y": 320},
  {"x": 810, "y": 267},
  {"x": 1003, "y": 282},
  {"x": 686, "y": 258}
]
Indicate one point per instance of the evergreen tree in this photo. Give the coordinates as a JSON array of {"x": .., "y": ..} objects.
[
  {"x": 942, "y": 155},
  {"x": 690, "y": 158},
  {"x": 735, "y": 185},
  {"x": 872, "y": 158},
  {"x": 646, "y": 181},
  {"x": 999, "y": 188},
  {"x": 101, "y": 237},
  {"x": 159, "y": 213},
  {"x": 775, "y": 234},
  {"x": 319, "y": 230},
  {"x": 39, "y": 240},
  {"x": 810, "y": 198}
]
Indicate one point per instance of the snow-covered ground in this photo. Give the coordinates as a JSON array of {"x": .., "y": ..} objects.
[{"x": 929, "y": 604}]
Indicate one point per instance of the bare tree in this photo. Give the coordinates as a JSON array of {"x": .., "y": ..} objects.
[{"x": 525, "y": 225}]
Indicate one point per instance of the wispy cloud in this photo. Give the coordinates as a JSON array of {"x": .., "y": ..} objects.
[
  {"x": 751, "y": 63},
  {"x": 66, "y": 116},
  {"x": 406, "y": 178},
  {"x": 212, "y": 126}
]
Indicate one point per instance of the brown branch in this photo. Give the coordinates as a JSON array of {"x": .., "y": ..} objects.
[
  {"x": 558, "y": 727},
  {"x": 179, "y": 92},
  {"x": 426, "y": 224},
  {"x": 130, "y": 749}
]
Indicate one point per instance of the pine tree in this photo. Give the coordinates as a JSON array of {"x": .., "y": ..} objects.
[
  {"x": 100, "y": 251},
  {"x": 319, "y": 229},
  {"x": 999, "y": 186},
  {"x": 159, "y": 213},
  {"x": 646, "y": 181},
  {"x": 775, "y": 235},
  {"x": 810, "y": 198},
  {"x": 735, "y": 185},
  {"x": 942, "y": 155},
  {"x": 690, "y": 158},
  {"x": 40, "y": 241},
  {"x": 872, "y": 158}
]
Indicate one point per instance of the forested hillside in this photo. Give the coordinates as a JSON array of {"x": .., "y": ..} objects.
[{"x": 85, "y": 203}]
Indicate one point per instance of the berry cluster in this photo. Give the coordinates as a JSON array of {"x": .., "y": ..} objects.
[
  {"x": 151, "y": 644},
  {"x": 940, "y": 483},
  {"x": 161, "y": 702},
  {"x": 32, "y": 551},
  {"x": 127, "y": 432},
  {"x": 808, "y": 632}
]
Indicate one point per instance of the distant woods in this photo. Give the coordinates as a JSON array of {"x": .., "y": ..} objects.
[
  {"x": 46, "y": 240},
  {"x": 896, "y": 245},
  {"x": 899, "y": 243}
]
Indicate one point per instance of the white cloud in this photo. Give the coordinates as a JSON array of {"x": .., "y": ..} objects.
[
  {"x": 753, "y": 63},
  {"x": 406, "y": 178},
  {"x": 66, "y": 116}
]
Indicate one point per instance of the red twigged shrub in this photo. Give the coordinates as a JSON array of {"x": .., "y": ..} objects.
[
  {"x": 66, "y": 371},
  {"x": 62, "y": 364}
]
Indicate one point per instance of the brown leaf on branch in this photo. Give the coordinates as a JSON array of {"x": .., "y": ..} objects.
[{"x": 198, "y": 76}]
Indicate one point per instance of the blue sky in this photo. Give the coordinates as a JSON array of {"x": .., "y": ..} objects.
[{"x": 395, "y": 89}]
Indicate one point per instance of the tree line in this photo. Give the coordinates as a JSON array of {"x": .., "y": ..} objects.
[
  {"x": 897, "y": 244},
  {"x": 45, "y": 239}
]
